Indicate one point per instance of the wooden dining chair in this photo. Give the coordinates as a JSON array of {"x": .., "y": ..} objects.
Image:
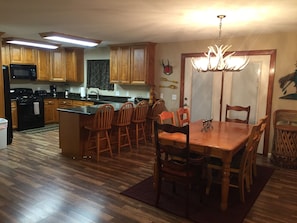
[
  {"x": 173, "y": 162},
  {"x": 233, "y": 114},
  {"x": 183, "y": 116},
  {"x": 98, "y": 132},
  {"x": 253, "y": 173},
  {"x": 167, "y": 117},
  {"x": 121, "y": 124},
  {"x": 138, "y": 122},
  {"x": 152, "y": 116},
  {"x": 240, "y": 166}
]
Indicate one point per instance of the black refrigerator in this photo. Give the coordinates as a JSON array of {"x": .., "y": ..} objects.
[{"x": 7, "y": 103}]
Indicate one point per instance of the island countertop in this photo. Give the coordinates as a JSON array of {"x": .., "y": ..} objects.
[{"x": 91, "y": 109}]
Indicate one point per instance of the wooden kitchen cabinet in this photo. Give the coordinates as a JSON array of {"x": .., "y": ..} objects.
[
  {"x": 77, "y": 103},
  {"x": 14, "y": 115},
  {"x": 65, "y": 103},
  {"x": 58, "y": 59},
  {"x": 120, "y": 64},
  {"x": 132, "y": 64},
  {"x": 22, "y": 55},
  {"x": 5, "y": 55},
  {"x": 44, "y": 70},
  {"x": 74, "y": 64},
  {"x": 50, "y": 111}
]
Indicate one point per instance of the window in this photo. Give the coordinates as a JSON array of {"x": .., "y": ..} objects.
[{"x": 98, "y": 74}]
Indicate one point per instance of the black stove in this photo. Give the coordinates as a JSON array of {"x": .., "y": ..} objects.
[{"x": 30, "y": 108}]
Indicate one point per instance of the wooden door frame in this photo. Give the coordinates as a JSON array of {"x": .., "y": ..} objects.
[{"x": 271, "y": 53}]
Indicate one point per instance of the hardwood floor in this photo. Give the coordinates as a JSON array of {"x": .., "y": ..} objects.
[{"x": 38, "y": 184}]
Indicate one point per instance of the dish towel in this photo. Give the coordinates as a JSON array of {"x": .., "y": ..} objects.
[{"x": 36, "y": 108}]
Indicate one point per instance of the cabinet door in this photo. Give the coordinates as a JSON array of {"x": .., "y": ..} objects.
[
  {"x": 50, "y": 114},
  {"x": 22, "y": 55},
  {"x": 124, "y": 65},
  {"x": 138, "y": 64},
  {"x": 120, "y": 65},
  {"x": 5, "y": 55},
  {"x": 114, "y": 75},
  {"x": 58, "y": 66},
  {"x": 43, "y": 65},
  {"x": 74, "y": 65},
  {"x": 14, "y": 115}
]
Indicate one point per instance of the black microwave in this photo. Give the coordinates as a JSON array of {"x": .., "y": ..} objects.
[{"x": 23, "y": 71}]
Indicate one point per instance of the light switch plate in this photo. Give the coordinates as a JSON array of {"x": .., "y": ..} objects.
[{"x": 174, "y": 97}]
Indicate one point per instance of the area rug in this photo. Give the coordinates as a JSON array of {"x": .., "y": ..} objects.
[
  {"x": 208, "y": 208},
  {"x": 48, "y": 127}
]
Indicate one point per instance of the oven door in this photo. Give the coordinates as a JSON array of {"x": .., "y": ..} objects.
[{"x": 30, "y": 114}]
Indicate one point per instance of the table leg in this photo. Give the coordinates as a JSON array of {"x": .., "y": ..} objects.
[{"x": 225, "y": 182}]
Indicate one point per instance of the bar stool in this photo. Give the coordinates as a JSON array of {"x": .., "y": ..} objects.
[
  {"x": 121, "y": 123},
  {"x": 138, "y": 121},
  {"x": 98, "y": 136},
  {"x": 152, "y": 116}
]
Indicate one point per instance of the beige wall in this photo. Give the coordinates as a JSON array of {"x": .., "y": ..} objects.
[{"x": 286, "y": 57}]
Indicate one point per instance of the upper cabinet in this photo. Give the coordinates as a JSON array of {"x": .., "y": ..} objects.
[
  {"x": 44, "y": 69},
  {"x": 61, "y": 65},
  {"x": 132, "y": 64},
  {"x": 58, "y": 58},
  {"x": 74, "y": 64},
  {"x": 22, "y": 55}
]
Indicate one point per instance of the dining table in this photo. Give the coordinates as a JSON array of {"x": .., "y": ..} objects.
[{"x": 218, "y": 139}]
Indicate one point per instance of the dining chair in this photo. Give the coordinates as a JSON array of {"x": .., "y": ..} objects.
[
  {"x": 138, "y": 122},
  {"x": 152, "y": 116},
  {"x": 230, "y": 115},
  {"x": 167, "y": 117},
  {"x": 98, "y": 132},
  {"x": 121, "y": 124},
  {"x": 253, "y": 173},
  {"x": 183, "y": 116},
  {"x": 240, "y": 166},
  {"x": 173, "y": 163}
]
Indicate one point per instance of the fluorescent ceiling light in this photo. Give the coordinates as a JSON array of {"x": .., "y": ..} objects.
[
  {"x": 25, "y": 42},
  {"x": 60, "y": 37}
]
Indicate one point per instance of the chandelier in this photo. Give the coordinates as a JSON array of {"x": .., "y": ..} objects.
[{"x": 216, "y": 60}]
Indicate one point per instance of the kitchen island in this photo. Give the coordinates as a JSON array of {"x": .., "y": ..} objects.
[{"x": 72, "y": 135}]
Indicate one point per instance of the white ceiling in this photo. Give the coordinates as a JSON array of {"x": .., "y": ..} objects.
[{"x": 121, "y": 21}]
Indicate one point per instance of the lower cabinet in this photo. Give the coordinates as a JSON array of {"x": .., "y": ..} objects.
[
  {"x": 14, "y": 115},
  {"x": 50, "y": 111}
]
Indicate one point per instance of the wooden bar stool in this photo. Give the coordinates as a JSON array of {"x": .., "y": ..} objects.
[
  {"x": 138, "y": 121},
  {"x": 98, "y": 137},
  {"x": 152, "y": 116},
  {"x": 121, "y": 123}
]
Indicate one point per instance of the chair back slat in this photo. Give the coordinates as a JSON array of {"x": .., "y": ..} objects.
[
  {"x": 231, "y": 117},
  {"x": 140, "y": 112},
  {"x": 103, "y": 117},
  {"x": 125, "y": 114},
  {"x": 183, "y": 116}
]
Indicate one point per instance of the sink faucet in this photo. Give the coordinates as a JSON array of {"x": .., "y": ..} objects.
[{"x": 96, "y": 91}]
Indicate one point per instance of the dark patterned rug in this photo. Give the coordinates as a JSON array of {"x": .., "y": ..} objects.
[{"x": 207, "y": 210}]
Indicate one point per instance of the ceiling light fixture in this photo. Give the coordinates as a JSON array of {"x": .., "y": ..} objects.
[
  {"x": 216, "y": 60},
  {"x": 33, "y": 43},
  {"x": 60, "y": 37}
]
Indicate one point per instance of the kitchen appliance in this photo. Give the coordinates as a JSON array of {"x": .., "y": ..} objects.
[
  {"x": 30, "y": 108},
  {"x": 23, "y": 71},
  {"x": 53, "y": 90},
  {"x": 7, "y": 103}
]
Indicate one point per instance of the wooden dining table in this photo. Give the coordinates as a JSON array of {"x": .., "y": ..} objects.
[{"x": 222, "y": 140}]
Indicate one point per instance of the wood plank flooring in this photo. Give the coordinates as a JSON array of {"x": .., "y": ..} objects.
[{"x": 38, "y": 184}]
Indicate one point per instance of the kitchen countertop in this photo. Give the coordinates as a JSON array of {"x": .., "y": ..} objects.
[{"x": 91, "y": 109}]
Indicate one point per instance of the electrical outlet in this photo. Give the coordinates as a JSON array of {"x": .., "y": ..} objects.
[{"x": 174, "y": 97}]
